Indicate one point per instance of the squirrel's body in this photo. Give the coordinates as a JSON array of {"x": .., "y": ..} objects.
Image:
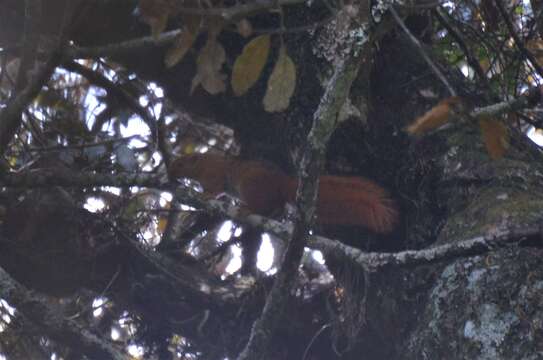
[{"x": 264, "y": 188}]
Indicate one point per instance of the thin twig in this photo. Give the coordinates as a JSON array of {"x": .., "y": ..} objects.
[
  {"x": 113, "y": 89},
  {"x": 86, "y": 145},
  {"x": 128, "y": 47},
  {"x": 518, "y": 41},
  {"x": 423, "y": 53},
  {"x": 238, "y": 12},
  {"x": 472, "y": 61},
  {"x": 321, "y": 330},
  {"x": 529, "y": 99}
]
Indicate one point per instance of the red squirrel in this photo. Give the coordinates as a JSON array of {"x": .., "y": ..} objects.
[{"x": 342, "y": 200}]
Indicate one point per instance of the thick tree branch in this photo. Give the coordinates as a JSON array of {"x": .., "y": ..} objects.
[
  {"x": 475, "y": 246},
  {"x": 240, "y": 11},
  {"x": 324, "y": 123},
  {"x": 200, "y": 286},
  {"x": 55, "y": 325},
  {"x": 10, "y": 117},
  {"x": 67, "y": 178}
]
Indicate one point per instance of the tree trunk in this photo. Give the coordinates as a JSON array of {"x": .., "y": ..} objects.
[{"x": 482, "y": 307}]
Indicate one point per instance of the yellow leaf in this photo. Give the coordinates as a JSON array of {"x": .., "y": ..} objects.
[
  {"x": 249, "y": 65},
  {"x": 485, "y": 64},
  {"x": 162, "y": 223},
  {"x": 188, "y": 149},
  {"x": 179, "y": 48},
  {"x": 163, "y": 220},
  {"x": 12, "y": 161},
  {"x": 281, "y": 83},
  {"x": 495, "y": 137}
]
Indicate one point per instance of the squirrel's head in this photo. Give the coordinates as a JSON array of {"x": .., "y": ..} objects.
[{"x": 210, "y": 170}]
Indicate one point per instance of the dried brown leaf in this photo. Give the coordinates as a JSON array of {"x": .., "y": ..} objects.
[
  {"x": 179, "y": 48},
  {"x": 192, "y": 23},
  {"x": 158, "y": 25},
  {"x": 156, "y": 13},
  {"x": 208, "y": 68},
  {"x": 214, "y": 26},
  {"x": 535, "y": 46},
  {"x": 495, "y": 137}
]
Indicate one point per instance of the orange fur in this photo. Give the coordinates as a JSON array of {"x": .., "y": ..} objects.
[
  {"x": 437, "y": 116},
  {"x": 265, "y": 189}
]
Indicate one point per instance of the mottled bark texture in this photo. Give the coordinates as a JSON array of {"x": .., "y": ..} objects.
[{"x": 484, "y": 307}]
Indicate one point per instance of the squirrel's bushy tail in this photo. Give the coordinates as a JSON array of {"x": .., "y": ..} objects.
[{"x": 354, "y": 201}]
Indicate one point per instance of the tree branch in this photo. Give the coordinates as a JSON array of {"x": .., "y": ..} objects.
[
  {"x": 423, "y": 53},
  {"x": 115, "y": 90},
  {"x": 10, "y": 117},
  {"x": 238, "y": 12},
  {"x": 410, "y": 258},
  {"x": 55, "y": 325},
  {"x": 64, "y": 177},
  {"x": 529, "y": 99},
  {"x": 123, "y": 48},
  {"x": 520, "y": 44},
  {"x": 325, "y": 121},
  {"x": 471, "y": 59}
]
